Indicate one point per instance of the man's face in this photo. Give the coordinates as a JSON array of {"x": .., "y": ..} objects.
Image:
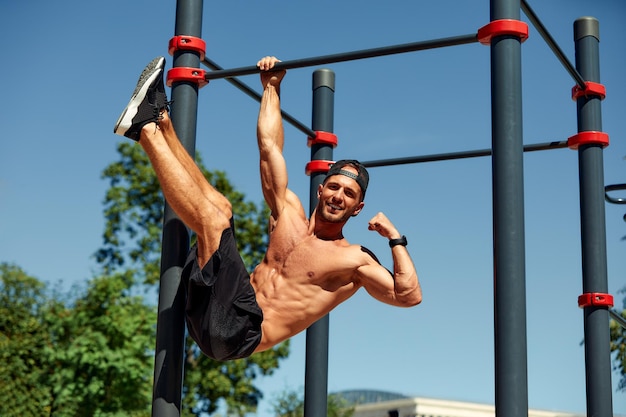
[{"x": 339, "y": 198}]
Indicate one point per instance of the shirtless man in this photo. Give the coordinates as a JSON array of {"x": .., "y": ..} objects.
[{"x": 309, "y": 267}]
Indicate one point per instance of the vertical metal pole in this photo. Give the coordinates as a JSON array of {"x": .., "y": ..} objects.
[
  {"x": 170, "y": 343},
  {"x": 511, "y": 380},
  {"x": 316, "y": 371},
  {"x": 593, "y": 227}
]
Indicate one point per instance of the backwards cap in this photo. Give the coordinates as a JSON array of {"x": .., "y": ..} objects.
[{"x": 361, "y": 177}]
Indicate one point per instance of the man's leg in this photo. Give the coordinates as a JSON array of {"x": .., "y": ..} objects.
[
  {"x": 167, "y": 129},
  {"x": 200, "y": 206}
]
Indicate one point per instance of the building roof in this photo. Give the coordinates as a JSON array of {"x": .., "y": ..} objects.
[
  {"x": 368, "y": 396},
  {"x": 374, "y": 403}
]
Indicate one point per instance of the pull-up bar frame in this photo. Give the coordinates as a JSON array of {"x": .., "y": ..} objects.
[
  {"x": 457, "y": 155},
  {"x": 534, "y": 19},
  {"x": 256, "y": 96},
  {"x": 348, "y": 56},
  {"x": 230, "y": 74},
  {"x": 509, "y": 258}
]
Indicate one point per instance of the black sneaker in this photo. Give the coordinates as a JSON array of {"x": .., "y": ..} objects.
[{"x": 147, "y": 102}]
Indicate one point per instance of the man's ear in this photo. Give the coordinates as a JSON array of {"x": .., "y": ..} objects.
[
  {"x": 319, "y": 190},
  {"x": 358, "y": 209}
]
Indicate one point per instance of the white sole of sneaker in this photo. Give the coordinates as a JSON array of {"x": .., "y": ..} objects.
[{"x": 125, "y": 121}]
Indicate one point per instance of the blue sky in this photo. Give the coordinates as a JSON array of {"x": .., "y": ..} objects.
[{"x": 70, "y": 66}]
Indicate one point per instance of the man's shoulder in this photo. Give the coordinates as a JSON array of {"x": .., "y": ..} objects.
[
  {"x": 369, "y": 252},
  {"x": 373, "y": 256}
]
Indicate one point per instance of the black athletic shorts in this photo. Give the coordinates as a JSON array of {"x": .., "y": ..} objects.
[{"x": 222, "y": 314}]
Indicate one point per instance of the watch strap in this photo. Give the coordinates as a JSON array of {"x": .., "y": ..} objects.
[{"x": 400, "y": 241}]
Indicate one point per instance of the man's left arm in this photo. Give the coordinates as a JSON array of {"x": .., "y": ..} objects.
[{"x": 403, "y": 288}]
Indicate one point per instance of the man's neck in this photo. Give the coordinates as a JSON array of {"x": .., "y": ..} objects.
[{"x": 325, "y": 230}]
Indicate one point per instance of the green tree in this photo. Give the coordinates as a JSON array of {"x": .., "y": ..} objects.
[
  {"x": 133, "y": 210},
  {"x": 618, "y": 346},
  {"x": 290, "y": 403},
  {"x": 90, "y": 353},
  {"x": 134, "y": 216},
  {"x": 84, "y": 359},
  {"x": 101, "y": 351},
  {"x": 23, "y": 336}
]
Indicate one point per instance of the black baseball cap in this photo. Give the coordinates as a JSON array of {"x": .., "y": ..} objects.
[{"x": 361, "y": 177}]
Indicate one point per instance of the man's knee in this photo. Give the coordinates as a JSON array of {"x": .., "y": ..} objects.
[
  {"x": 216, "y": 218},
  {"x": 210, "y": 235},
  {"x": 227, "y": 209}
]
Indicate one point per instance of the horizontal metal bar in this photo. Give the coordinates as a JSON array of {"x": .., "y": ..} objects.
[
  {"x": 252, "y": 93},
  {"x": 618, "y": 318},
  {"x": 457, "y": 155},
  {"x": 348, "y": 56},
  {"x": 614, "y": 187},
  {"x": 552, "y": 44}
]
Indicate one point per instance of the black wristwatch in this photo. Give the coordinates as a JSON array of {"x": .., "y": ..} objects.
[{"x": 400, "y": 241}]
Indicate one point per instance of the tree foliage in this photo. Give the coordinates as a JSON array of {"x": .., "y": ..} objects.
[
  {"x": 290, "y": 403},
  {"x": 23, "y": 336},
  {"x": 134, "y": 215},
  {"x": 105, "y": 363},
  {"x": 618, "y": 347},
  {"x": 90, "y": 352},
  {"x": 133, "y": 209},
  {"x": 90, "y": 358}
]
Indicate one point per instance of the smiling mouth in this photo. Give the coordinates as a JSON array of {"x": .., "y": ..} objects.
[{"x": 334, "y": 207}]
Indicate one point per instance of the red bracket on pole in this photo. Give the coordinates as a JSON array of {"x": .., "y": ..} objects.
[
  {"x": 588, "y": 138},
  {"x": 322, "y": 138},
  {"x": 192, "y": 75},
  {"x": 187, "y": 43},
  {"x": 186, "y": 74},
  {"x": 502, "y": 27},
  {"x": 595, "y": 299},
  {"x": 318, "y": 166},
  {"x": 591, "y": 89}
]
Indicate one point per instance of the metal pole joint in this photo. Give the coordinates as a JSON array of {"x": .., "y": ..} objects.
[
  {"x": 502, "y": 27},
  {"x": 591, "y": 90},
  {"x": 318, "y": 165},
  {"x": 590, "y": 137},
  {"x": 323, "y": 138},
  {"x": 187, "y": 43},
  {"x": 186, "y": 74},
  {"x": 595, "y": 299}
]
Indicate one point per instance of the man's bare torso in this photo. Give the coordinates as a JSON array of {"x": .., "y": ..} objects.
[{"x": 302, "y": 278}]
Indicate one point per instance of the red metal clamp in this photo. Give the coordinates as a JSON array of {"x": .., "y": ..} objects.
[
  {"x": 318, "y": 166},
  {"x": 502, "y": 27},
  {"x": 192, "y": 75},
  {"x": 591, "y": 137},
  {"x": 595, "y": 299},
  {"x": 187, "y": 43},
  {"x": 322, "y": 138},
  {"x": 591, "y": 89}
]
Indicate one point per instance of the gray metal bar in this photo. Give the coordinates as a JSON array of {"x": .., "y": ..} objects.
[
  {"x": 316, "y": 371},
  {"x": 593, "y": 225},
  {"x": 614, "y": 187},
  {"x": 530, "y": 13},
  {"x": 457, "y": 155},
  {"x": 349, "y": 56},
  {"x": 618, "y": 318},
  {"x": 252, "y": 93},
  {"x": 511, "y": 375},
  {"x": 170, "y": 343}
]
